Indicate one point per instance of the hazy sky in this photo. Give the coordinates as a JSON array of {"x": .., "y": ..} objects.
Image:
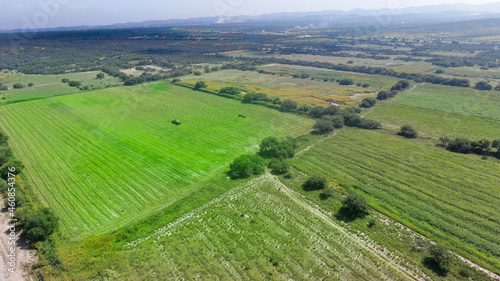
[{"x": 55, "y": 13}]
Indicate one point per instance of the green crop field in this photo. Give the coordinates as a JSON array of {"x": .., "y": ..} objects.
[
  {"x": 48, "y": 85},
  {"x": 450, "y": 198},
  {"x": 436, "y": 124},
  {"x": 464, "y": 101},
  {"x": 106, "y": 158},
  {"x": 259, "y": 230}
]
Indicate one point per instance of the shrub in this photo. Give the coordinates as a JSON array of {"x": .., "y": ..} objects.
[
  {"x": 337, "y": 121},
  {"x": 271, "y": 147},
  {"x": 199, "y": 85},
  {"x": 346, "y": 81},
  {"x": 355, "y": 203},
  {"x": 317, "y": 112},
  {"x": 304, "y": 76},
  {"x": 245, "y": 166},
  {"x": 278, "y": 166},
  {"x": 331, "y": 110},
  {"x": 442, "y": 257},
  {"x": 407, "y": 131},
  {"x": 230, "y": 90},
  {"x": 288, "y": 105},
  {"x": 30, "y": 85},
  {"x": 74, "y": 83},
  {"x": 18, "y": 86},
  {"x": 483, "y": 85},
  {"x": 369, "y": 124},
  {"x": 65, "y": 80},
  {"x": 368, "y": 102},
  {"x": 314, "y": 183},
  {"x": 37, "y": 224},
  {"x": 383, "y": 95},
  {"x": 323, "y": 126},
  {"x": 460, "y": 145},
  {"x": 326, "y": 193}
]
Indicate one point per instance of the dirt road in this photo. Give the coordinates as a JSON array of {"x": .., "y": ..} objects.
[{"x": 23, "y": 254}]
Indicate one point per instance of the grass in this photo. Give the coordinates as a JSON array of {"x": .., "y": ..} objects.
[
  {"x": 254, "y": 232},
  {"x": 304, "y": 91},
  {"x": 464, "y": 101},
  {"x": 436, "y": 124},
  {"x": 48, "y": 85},
  {"x": 450, "y": 198},
  {"x": 106, "y": 158}
]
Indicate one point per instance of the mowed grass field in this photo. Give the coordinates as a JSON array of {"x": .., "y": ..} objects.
[
  {"x": 437, "y": 111},
  {"x": 48, "y": 85},
  {"x": 106, "y": 158},
  {"x": 451, "y": 198},
  {"x": 259, "y": 230},
  {"x": 464, "y": 101}
]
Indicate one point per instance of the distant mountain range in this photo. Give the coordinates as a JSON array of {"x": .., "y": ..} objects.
[{"x": 414, "y": 15}]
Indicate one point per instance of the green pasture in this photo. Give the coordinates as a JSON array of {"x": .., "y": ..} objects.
[
  {"x": 449, "y": 197},
  {"x": 106, "y": 158}
]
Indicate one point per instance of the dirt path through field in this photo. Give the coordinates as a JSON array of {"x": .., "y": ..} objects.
[
  {"x": 362, "y": 244},
  {"x": 24, "y": 255}
]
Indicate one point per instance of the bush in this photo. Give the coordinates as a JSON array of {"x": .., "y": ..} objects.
[
  {"x": 383, "y": 95},
  {"x": 407, "y": 131},
  {"x": 74, "y": 83},
  {"x": 323, "y": 126},
  {"x": 288, "y": 105},
  {"x": 304, "y": 76},
  {"x": 197, "y": 73},
  {"x": 38, "y": 224},
  {"x": 326, "y": 193},
  {"x": 337, "y": 121},
  {"x": 230, "y": 90},
  {"x": 331, "y": 110},
  {"x": 4, "y": 170},
  {"x": 65, "y": 80},
  {"x": 5, "y": 155},
  {"x": 314, "y": 183},
  {"x": 3, "y": 138},
  {"x": 442, "y": 257},
  {"x": 30, "y": 85},
  {"x": 460, "y": 145},
  {"x": 18, "y": 86},
  {"x": 199, "y": 85},
  {"x": 355, "y": 203},
  {"x": 271, "y": 147},
  {"x": 346, "y": 82},
  {"x": 369, "y": 124},
  {"x": 483, "y": 86},
  {"x": 279, "y": 166},
  {"x": 317, "y": 112},
  {"x": 368, "y": 102},
  {"x": 245, "y": 166}
]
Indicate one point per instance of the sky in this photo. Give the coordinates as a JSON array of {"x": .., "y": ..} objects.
[{"x": 55, "y": 13}]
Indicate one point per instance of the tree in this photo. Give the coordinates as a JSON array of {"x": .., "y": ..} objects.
[
  {"x": 407, "y": 131},
  {"x": 288, "y": 105},
  {"x": 3, "y": 138},
  {"x": 271, "y": 147},
  {"x": 346, "y": 81},
  {"x": 18, "y": 86},
  {"x": 5, "y": 169},
  {"x": 460, "y": 145},
  {"x": 230, "y": 91},
  {"x": 199, "y": 85},
  {"x": 383, "y": 95},
  {"x": 279, "y": 166},
  {"x": 369, "y": 124},
  {"x": 442, "y": 257},
  {"x": 368, "y": 102},
  {"x": 314, "y": 183},
  {"x": 337, "y": 121},
  {"x": 331, "y": 110},
  {"x": 324, "y": 126},
  {"x": 481, "y": 146},
  {"x": 245, "y": 166},
  {"x": 355, "y": 203},
  {"x": 317, "y": 112},
  {"x": 483, "y": 85},
  {"x": 5, "y": 155},
  {"x": 100, "y": 76},
  {"x": 37, "y": 225}
]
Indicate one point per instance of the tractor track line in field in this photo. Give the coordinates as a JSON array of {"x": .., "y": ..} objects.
[{"x": 293, "y": 195}]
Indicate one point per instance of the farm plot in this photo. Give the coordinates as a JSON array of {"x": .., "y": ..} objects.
[
  {"x": 49, "y": 85},
  {"x": 436, "y": 124},
  {"x": 450, "y": 198},
  {"x": 464, "y": 101},
  {"x": 305, "y": 91},
  {"x": 261, "y": 231},
  {"x": 108, "y": 157}
]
